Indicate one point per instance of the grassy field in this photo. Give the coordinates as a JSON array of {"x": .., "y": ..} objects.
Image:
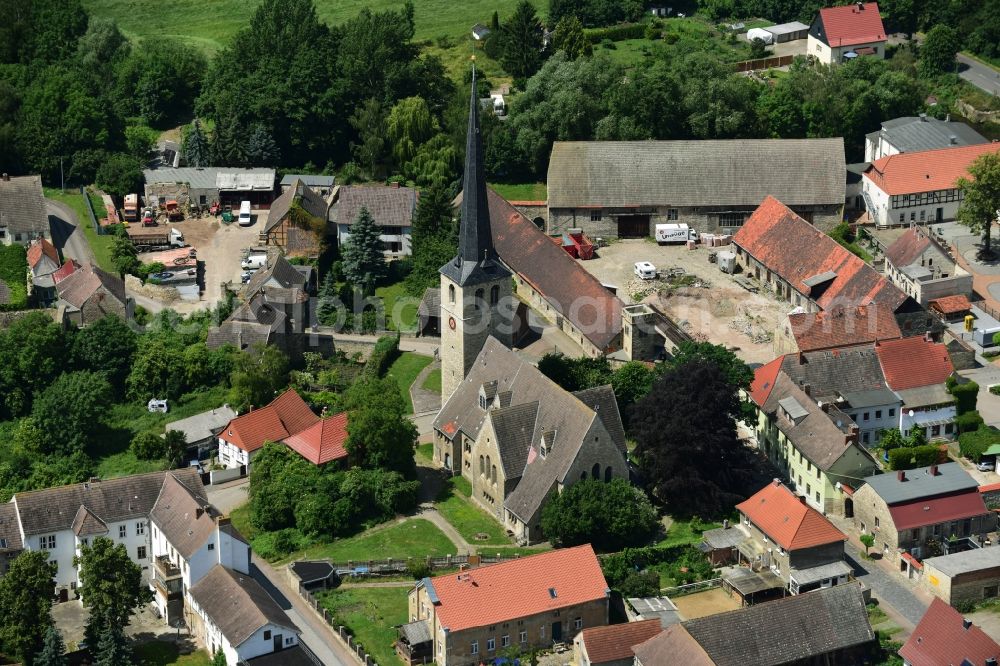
[
  {"x": 162, "y": 653},
  {"x": 405, "y": 370},
  {"x": 469, "y": 519},
  {"x": 13, "y": 274},
  {"x": 210, "y": 25},
  {"x": 433, "y": 381},
  {"x": 686, "y": 533},
  {"x": 101, "y": 245},
  {"x": 415, "y": 537},
  {"x": 522, "y": 191},
  {"x": 370, "y": 613},
  {"x": 400, "y": 307},
  {"x": 426, "y": 451}
]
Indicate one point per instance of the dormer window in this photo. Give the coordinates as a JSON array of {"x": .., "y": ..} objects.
[
  {"x": 482, "y": 402},
  {"x": 548, "y": 439}
]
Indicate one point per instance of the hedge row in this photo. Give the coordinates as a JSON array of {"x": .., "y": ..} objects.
[
  {"x": 616, "y": 33},
  {"x": 969, "y": 421},
  {"x": 965, "y": 395},
  {"x": 386, "y": 351},
  {"x": 910, "y": 457},
  {"x": 972, "y": 444},
  {"x": 14, "y": 273}
]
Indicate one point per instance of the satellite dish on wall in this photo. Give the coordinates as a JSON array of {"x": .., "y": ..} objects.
[{"x": 910, "y": 413}]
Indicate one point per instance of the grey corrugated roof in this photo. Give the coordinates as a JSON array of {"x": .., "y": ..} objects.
[
  {"x": 738, "y": 172},
  {"x": 204, "y": 425},
  {"x": 22, "y": 206},
  {"x": 920, "y": 484},
  {"x": 911, "y": 134},
  {"x": 925, "y": 396},
  {"x": 660, "y": 608},
  {"x": 870, "y": 398},
  {"x": 724, "y": 537},
  {"x": 794, "y": 409},
  {"x": 311, "y": 181},
  {"x": 968, "y": 561},
  {"x": 205, "y": 178},
  {"x": 816, "y": 574},
  {"x": 825, "y": 276},
  {"x": 785, "y": 28},
  {"x": 830, "y": 374},
  {"x": 416, "y": 632},
  {"x": 237, "y": 604},
  {"x": 790, "y": 630}
]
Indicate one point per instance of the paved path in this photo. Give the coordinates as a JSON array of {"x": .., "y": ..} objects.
[
  {"x": 66, "y": 234},
  {"x": 424, "y": 400},
  {"x": 982, "y": 76},
  {"x": 433, "y": 515},
  {"x": 886, "y": 588},
  {"x": 228, "y": 496},
  {"x": 316, "y": 634}
]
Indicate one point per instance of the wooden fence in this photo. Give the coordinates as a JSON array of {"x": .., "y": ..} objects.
[{"x": 763, "y": 63}]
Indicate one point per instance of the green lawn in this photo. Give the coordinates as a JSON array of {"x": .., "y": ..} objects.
[
  {"x": 433, "y": 381},
  {"x": 426, "y": 451},
  {"x": 124, "y": 463},
  {"x": 521, "y": 191},
  {"x": 414, "y": 537},
  {"x": 629, "y": 52},
  {"x": 400, "y": 307},
  {"x": 13, "y": 273},
  {"x": 370, "y": 613},
  {"x": 163, "y": 653},
  {"x": 405, "y": 370},
  {"x": 686, "y": 532},
  {"x": 101, "y": 245},
  {"x": 210, "y": 25},
  {"x": 459, "y": 510},
  {"x": 241, "y": 520}
]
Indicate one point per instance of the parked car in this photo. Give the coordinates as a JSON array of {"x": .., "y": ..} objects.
[
  {"x": 986, "y": 465},
  {"x": 160, "y": 406},
  {"x": 645, "y": 270},
  {"x": 245, "y": 277},
  {"x": 245, "y": 219},
  {"x": 162, "y": 276}
]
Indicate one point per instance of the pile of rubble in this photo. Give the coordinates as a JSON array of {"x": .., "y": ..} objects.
[{"x": 753, "y": 326}]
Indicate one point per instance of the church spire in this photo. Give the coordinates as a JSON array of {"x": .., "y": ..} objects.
[{"x": 477, "y": 258}]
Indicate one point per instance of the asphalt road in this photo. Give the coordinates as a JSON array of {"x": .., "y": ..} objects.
[
  {"x": 979, "y": 75},
  {"x": 888, "y": 591},
  {"x": 65, "y": 234}
]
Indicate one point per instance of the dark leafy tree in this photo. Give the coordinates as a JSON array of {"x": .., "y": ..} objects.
[
  {"x": 258, "y": 375},
  {"x": 111, "y": 648},
  {"x": 596, "y": 13},
  {"x": 758, "y": 48},
  {"x": 53, "y": 651},
  {"x": 364, "y": 263},
  {"x": 26, "y": 603},
  {"x": 219, "y": 659},
  {"x": 569, "y": 38},
  {"x": 736, "y": 371},
  {"x": 981, "y": 198},
  {"x": 31, "y": 353},
  {"x": 68, "y": 412},
  {"x": 195, "y": 147},
  {"x": 434, "y": 239},
  {"x": 124, "y": 255},
  {"x": 101, "y": 48},
  {"x": 937, "y": 53},
  {"x": 521, "y": 42},
  {"x": 261, "y": 148},
  {"x": 687, "y": 447},
  {"x": 120, "y": 174},
  {"x": 379, "y": 436},
  {"x": 611, "y": 516},
  {"x": 575, "y": 374},
  {"x": 158, "y": 369},
  {"x": 111, "y": 586},
  {"x": 106, "y": 346},
  {"x": 631, "y": 382},
  {"x": 371, "y": 149}
]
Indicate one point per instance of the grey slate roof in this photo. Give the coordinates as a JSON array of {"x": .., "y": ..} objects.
[
  {"x": 185, "y": 519},
  {"x": 300, "y": 193},
  {"x": 800, "y": 627},
  {"x": 968, "y": 561},
  {"x": 920, "y": 484},
  {"x": 389, "y": 206},
  {"x": 838, "y": 372},
  {"x": 309, "y": 572},
  {"x": 602, "y": 400},
  {"x": 114, "y": 500},
  {"x": 22, "y": 206},
  {"x": 209, "y": 178},
  {"x": 430, "y": 303},
  {"x": 237, "y": 604},
  {"x": 416, "y": 632},
  {"x": 293, "y": 656},
  {"x": 926, "y": 396},
  {"x": 10, "y": 533},
  {"x": 311, "y": 181},
  {"x": 87, "y": 524},
  {"x": 514, "y": 427},
  {"x": 558, "y": 411},
  {"x": 911, "y": 134},
  {"x": 278, "y": 272},
  {"x": 738, "y": 172},
  {"x": 204, "y": 425}
]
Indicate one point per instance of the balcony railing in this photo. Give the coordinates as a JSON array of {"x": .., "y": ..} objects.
[{"x": 167, "y": 578}]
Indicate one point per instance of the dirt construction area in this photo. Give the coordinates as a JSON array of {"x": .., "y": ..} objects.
[
  {"x": 707, "y": 303},
  {"x": 220, "y": 246},
  {"x": 709, "y": 602}
]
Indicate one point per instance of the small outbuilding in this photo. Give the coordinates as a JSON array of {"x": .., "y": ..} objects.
[
  {"x": 788, "y": 32},
  {"x": 972, "y": 575},
  {"x": 760, "y": 33}
]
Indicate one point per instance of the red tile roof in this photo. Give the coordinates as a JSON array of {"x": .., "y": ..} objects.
[
  {"x": 40, "y": 248},
  {"x": 787, "y": 520},
  {"x": 950, "y": 305},
  {"x": 989, "y": 488},
  {"x": 519, "y": 588},
  {"x": 797, "y": 251},
  {"x": 849, "y": 25},
  {"x": 323, "y": 441},
  {"x": 937, "y": 510},
  {"x": 941, "y": 639},
  {"x": 287, "y": 414},
  {"x": 615, "y": 642},
  {"x": 908, "y": 247},
  {"x": 913, "y": 362},
  {"x": 571, "y": 289},
  {"x": 927, "y": 170},
  {"x": 763, "y": 381},
  {"x": 65, "y": 271},
  {"x": 842, "y": 327}
]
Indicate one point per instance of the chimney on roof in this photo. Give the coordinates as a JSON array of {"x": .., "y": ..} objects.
[
  {"x": 802, "y": 358},
  {"x": 923, "y": 117},
  {"x": 198, "y": 512},
  {"x": 933, "y": 469},
  {"x": 802, "y": 498},
  {"x": 901, "y": 475},
  {"x": 966, "y": 623},
  {"x": 777, "y": 482},
  {"x": 395, "y": 184},
  {"x": 6, "y": 177},
  {"x": 861, "y": 6},
  {"x": 807, "y": 389},
  {"x": 991, "y": 661},
  {"x": 953, "y": 140}
]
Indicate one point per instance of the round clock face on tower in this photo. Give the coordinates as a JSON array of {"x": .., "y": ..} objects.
[{"x": 451, "y": 323}]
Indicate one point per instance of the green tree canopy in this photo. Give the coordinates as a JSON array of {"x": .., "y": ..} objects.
[
  {"x": 107, "y": 346},
  {"x": 611, "y": 516},
  {"x": 379, "y": 436},
  {"x": 195, "y": 146},
  {"x": 68, "y": 412},
  {"x": 120, "y": 174},
  {"x": 521, "y": 42},
  {"x": 568, "y": 37},
  {"x": 981, "y": 197},
  {"x": 259, "y": 374},
  {"x": 409, "y": 125},
  {"x": 364, "y": 263},
  {"x": 111, "y": 586},
  {"x": 937, "y": 53},
  {"x": 26, "y": 603},
  {"x": 124, "y": 255},
  {"x": 53, "y": 650},
  {"x": 32, "y": 350}
]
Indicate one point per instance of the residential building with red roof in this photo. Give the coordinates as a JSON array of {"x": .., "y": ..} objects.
[
  {"x": 285, "y": 416},
  {"x": 525, "y": 604},
  {"x": 612, "y": 645},
  {"x": 838, "y": 328},
  {"x": 839, "y": 34},
  {"x": 43, "y": 260},
  {"x": 923, "y": 268},
  {"x": 917, "y": 370},
  {"x": 943, "y": 636},
  {"x": 87, "y": 294},
  {"x": 908, "y": 509},
  {"x": 919, "y": 187},
  {"x": 951, "y": 308},
  {"x": 322, "y": 442},
  {"x": 791, "y": 544}
]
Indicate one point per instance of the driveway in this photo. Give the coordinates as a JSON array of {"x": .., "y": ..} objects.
[
  {"x": 983, "y": 77},
  {"x": 886, "y": 588},
  {"x": 228, "y": 496},
  {"x": 66, "y": 236}
]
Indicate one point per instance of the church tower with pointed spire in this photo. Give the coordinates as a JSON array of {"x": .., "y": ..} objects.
[{"x": 476, "y": 287}]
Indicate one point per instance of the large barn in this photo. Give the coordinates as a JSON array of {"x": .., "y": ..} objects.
[{"x": 622, "y": 189}]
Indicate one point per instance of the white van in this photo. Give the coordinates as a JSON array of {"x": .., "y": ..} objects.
[
  {"x": 253, "y": 262},
  {"x": 674, "y": 233},
  {"x": 245, "y": 219}
]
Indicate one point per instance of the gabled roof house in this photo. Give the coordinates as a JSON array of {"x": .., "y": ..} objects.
[{"x": 839, "y": 34}]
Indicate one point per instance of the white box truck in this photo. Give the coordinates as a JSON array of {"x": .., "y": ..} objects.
[{"x": 674, "y": 233}]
